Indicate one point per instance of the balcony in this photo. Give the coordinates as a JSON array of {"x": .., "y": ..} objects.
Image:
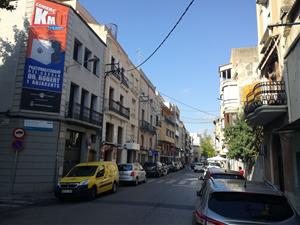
[
  {"x": 169, "y": 121},
  {"x": 116, "y": 72},
  {"x": 144, "y": 125},
  {"x": 79, "y": 112},
  {"x": 116, "y": 107},
  {"x": 158, "y": 123},
  {"x": 266, "y": 102}
]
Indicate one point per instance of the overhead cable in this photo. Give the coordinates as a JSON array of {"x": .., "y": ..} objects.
[
  {"x": 192, "y": 107},
  {"x": 168, "y": 35}
]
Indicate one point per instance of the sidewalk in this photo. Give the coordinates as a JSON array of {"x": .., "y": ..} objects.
[{"x": 16, "y": 201}]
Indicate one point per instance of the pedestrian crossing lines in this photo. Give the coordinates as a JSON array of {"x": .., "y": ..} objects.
[{"x": 175, "y": 182}]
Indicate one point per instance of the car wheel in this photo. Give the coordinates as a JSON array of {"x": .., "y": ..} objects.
[
  {"x": 93, "y": 193},
  {"x": 114, "y": 187}
]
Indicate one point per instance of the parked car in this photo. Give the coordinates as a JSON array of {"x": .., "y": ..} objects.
[
  {"x": 213, "y": 164},
  {"x": 193, "y": 165},
  {"x": 88, "y": 180},
  {"x": 227, "y": 201},
  {"x": 172, "y": 166},
  {"x": 199, "y": 167},
  {"x": 132, "y": 173},
  {"x": 153, "y": 169},
  {"x": 218, "y": 173},
  {"x": 165, "y": 169}
]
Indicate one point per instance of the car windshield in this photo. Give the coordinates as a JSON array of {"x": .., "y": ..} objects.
[
  {"x": 250, "y": 206},
  {"x": 125, "y": 167},
  {"x": 82, "y": 171},
  {"x": 227, "y": 176}
]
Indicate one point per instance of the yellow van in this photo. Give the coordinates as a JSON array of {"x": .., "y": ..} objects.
[{"x": 88, "y": 180}]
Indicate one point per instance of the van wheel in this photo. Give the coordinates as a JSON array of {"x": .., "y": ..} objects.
[
  {"x": 93, "y": 193},
  {"x": 114, "y": 187}
]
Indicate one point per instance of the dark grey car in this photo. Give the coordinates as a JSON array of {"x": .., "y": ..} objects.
[{"x": 226, "y": 201}]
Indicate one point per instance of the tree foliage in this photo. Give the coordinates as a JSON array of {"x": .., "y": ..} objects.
[
  {"x": 243, "y": 142},
  {"x": 206, "y": 145},
  {"x": 8, "y": 4}
]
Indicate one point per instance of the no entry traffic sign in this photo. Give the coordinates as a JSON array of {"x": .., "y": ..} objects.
[{"x": 19, "y": 133}]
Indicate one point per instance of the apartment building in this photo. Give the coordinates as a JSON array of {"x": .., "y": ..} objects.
[
  {"x": 167, "y": 132},
  {"x": 120, "y": 106},
  {"x": 149, "y": 120},
  {"x": 51, "y": 118},
  {"x": 236, "y": 77},
  {"x": 273, "y": 103}
]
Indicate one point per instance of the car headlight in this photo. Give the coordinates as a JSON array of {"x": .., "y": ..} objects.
[{"x": 85, "y": 182}]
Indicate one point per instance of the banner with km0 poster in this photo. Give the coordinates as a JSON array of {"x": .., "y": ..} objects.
[{"x": 44, "y": 65}]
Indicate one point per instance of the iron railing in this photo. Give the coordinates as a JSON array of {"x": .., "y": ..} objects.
[
  {"x": 266, "y": 93},
  {"x": 79, "y": 112},
  {"x": 117, "y": 73},
  {"x": 169, "y": 121},
  {"x": 118, "y": 108},
  {"x": 147, "y": 126}
]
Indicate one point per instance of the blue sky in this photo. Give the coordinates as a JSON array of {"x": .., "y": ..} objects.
[{"x": 186, "y": 66}]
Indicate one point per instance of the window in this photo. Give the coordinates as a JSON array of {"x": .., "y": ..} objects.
[
  {"x": 120, "y": 135},
  {"x": 229, "y": 74},
  {"x": 96, "y": 64},
  {"x": 112, "y": 62},
  {"x": 87, "y": 56},
  {"x": 150, "y": 142},
  {"x": 77, "y": 51},
  {"x": 142, "y": 141},
  {"x": 121, "y": 100}
]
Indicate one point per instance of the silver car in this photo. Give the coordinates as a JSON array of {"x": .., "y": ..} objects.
[
  {"x": 225, "y": 201},
  {"x": 132, "y": 172}
]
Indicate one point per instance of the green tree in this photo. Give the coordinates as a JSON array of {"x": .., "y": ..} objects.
[
  {"x": 206, "y": 145},
  {"x": 8, "y": 4},
  {"x": 243, "y": 142}
]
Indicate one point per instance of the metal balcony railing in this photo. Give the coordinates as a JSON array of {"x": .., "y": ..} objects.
[
  {"x": 79, "y": 112},
  {"x": 158, "y": 123},
  {"x": 169, "y": 121},
  {"x": 118, "y": 108},
  {"x": 147, "y": 126},
  {"x": 117, "y": 73},
  {"x": 265, "y": 93}
]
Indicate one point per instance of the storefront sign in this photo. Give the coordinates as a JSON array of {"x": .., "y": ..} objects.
[
  {"x": 41, "y": 125},
  {"x": 38, "y": 100},
  {"x": 44, "y": 66}
]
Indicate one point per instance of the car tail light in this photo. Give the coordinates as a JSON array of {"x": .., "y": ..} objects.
[
  {"x": 132, "y": 174},
  {"x": 204, "y": 220}
]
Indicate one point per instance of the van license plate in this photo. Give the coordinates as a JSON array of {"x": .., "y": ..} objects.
[{"x": 66, "y": 191}]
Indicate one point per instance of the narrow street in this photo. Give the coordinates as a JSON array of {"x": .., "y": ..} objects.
[{"x": 166, "y": 200}]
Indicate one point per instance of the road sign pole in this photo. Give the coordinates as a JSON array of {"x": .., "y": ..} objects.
[{"x": 14, "y": 172}]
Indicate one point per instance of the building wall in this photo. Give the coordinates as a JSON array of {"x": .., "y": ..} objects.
[{"x": 37, "y": 167}]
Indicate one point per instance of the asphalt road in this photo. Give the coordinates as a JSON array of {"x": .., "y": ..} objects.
[{"x": 166, "y": 200}]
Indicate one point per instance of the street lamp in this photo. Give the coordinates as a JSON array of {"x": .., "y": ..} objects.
[{"x": 78, "y": 64}]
